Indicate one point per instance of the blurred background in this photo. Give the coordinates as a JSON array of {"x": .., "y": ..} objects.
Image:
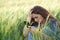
[{"x": 14, "y": 12}]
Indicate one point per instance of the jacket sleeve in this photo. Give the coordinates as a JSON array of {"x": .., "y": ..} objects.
[{"x": 51, "y": 29}]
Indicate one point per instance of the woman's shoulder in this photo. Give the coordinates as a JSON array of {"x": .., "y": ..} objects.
[
  {"x": 52, "y": 19},
  {"x": 52, "y": 24}
]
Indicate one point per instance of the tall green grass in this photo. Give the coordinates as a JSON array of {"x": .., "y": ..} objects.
[{"x": 14, "y": 12}]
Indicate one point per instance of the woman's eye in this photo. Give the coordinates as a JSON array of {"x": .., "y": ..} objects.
[{"x": 36, "y": 17}]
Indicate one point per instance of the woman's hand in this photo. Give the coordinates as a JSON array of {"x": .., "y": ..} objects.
[
  {"x": 32, "y": 29},
  {"x": 25, "y": 31}
]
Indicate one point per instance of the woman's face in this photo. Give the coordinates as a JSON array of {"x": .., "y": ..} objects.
[{"x": 37, "y": 17}]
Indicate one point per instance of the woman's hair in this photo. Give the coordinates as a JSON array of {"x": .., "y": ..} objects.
[{"x": 42, "y": 11}]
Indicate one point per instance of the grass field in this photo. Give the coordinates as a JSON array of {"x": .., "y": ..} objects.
[{"x": 14, "y": 12}]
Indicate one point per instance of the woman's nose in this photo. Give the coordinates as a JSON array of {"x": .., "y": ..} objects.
[{"x": 36, "y": 20}]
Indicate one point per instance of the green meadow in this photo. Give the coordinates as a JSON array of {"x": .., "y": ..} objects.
[{"x": 13, "y": 13}]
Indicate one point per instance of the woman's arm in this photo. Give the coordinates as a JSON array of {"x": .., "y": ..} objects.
[{"x": 51, "y": 29}]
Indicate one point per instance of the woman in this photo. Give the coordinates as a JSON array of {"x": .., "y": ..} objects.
[{"x": 48, "y": 24}]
